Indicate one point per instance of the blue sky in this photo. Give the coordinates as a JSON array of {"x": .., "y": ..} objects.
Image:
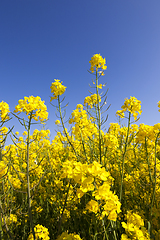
[{"x": 45, "y": 40}]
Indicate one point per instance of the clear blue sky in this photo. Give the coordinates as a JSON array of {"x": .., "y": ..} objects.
[{"x": 43, "y": 40}]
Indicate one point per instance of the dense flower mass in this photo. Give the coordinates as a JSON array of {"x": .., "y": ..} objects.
[
  {"x": 132, "y": 105},
  {"x": 32, "y": 105},
  {"x": 134, "y": 228},
  {"x": 92, "y": 100},
  {"x": 87, "y": 183},
  {"x": 4, "y": 110},
  {"x": 97, "y": 62},
  {"x": 57, "y": 89},
  {"x": 71, "y": 236},
  {"x": 40, "y": 233}
]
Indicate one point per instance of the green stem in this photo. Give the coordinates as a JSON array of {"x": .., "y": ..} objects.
[
  {"x": 103, "y": 224},
  {"x": 99, "y": 119},
  {"x": 125, "y": 149},
  {"x": 83, "y": 145},
  {"x": 150, "y": 175},
  {"x": 155, "y": 177},
  {"x": 65, "y": 203},
  {"x": 114, "y": 232},
  {"x": 28, "y": 180},
  {"x": 60, "y": 112}
]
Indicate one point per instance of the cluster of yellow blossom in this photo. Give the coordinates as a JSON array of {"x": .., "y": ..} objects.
[
  {"x": 3, "y": 132},
  {"x": 92, "y": 100},
  {"x": 112, "y": 205},
  {"x": 57, "y": 89},
  {"x": 3, "y": 169},
  {"x": 159, "y": 105},
  {"x": 71, "y": 236},
  {"x": 38, "y": 135},
  {"x": 57, "y": 122},
  {"x": 12, "y": 218},
  {"x": 71, "y": 187},
  {"x": 83, "y": 126},
  {"x": 134, "y": 228},
  {"x": 132, "y": 105},
  {"x": 41, "y": 233},
  {"x": 87, "y": 175},
  {"x": 110, "y": 141},
  {"x": 4, "y": 110},
  {"x": 97, "y": 62},
  {"x": 32, "y": 105}
]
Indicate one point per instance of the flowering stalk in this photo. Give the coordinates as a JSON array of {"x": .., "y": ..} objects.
[
  {"x": 60, "y": 112},
  {"x": 35, "y": 108},
  {"x": 97, "y": 62},
  {"x": 150, "y": 175},
  {"x": 65, "y": 203},
  {"x": 28, "y": 181},
  {"x": 133, "y": 106},
  {"x": 155, "y": 172},
  {"x": 99, "y": 118},
  {"x": 123, "y": 156}
]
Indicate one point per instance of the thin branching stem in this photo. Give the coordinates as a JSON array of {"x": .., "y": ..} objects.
[
  {"x": 123, "y": 156},
  {"x": 28, "y": 180}
]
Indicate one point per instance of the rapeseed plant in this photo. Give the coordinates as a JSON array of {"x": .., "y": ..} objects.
[{"x": 86, "y": 183}]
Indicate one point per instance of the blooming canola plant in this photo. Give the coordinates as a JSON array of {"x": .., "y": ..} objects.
[{"x": 85, "y": 183}]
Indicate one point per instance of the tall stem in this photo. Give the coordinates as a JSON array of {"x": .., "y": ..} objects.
[
  {"x": 1, "y": 230},
  {"x": 60, "y": 112},
  {"x": 124, "y": 153},
  {"x": 28, "y": 181},
  {"x": 155, "y": 172},
  {"x": 99, "y": 118}
]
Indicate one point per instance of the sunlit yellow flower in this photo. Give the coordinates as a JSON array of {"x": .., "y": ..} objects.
[
  {"x": 92, "y": 100},
  {"x": 3, "y": 169},
  {"x": 132, "y": 105},
  {"x": 32, "y": 105},
  {"x": 97, "y": 62},
  {"x": 71, "y": 236},
  {"x": 92, "y": 206},
  {"x": 57, "y": 122},
  {"x": 4, "y": 110},
  {"x": 40, "y": 232},
  {"x": 57, "y": 89},
  {"x": 10, "y": 219}
]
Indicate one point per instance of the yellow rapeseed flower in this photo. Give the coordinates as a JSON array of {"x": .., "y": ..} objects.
[
  {"x": 97, "y": 62},
  {"x": 34, "y": 105},
  {"x": 4, "y": 110},
  {"x": 132, "y": 105},
  {"x": 40, "y": 232},
  {"x": 57, "y": 89},
  {"x": 57, "y": 122},
  {"x": 91, "y": 100},
  {"x": 71, "y": 236}
]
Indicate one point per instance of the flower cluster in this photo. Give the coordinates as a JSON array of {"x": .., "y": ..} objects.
[
  {"x": 92, "y": 100},
  {"x": 132, "y": 105},
  {"x": 57, "y": 89},
  {"x": 32, "y": 105},
  {"x": 84, "y": 181},
  {"x": 10, "y": 219},
  {"x": 3, "y": 169},
  {"x": 159, "y": 105},
  {"x": 4, "y": 110},
  {"x": 71, "y": 236},
  {"x": 83, "y": 125},
  {"x": 97, "y": 62},
  {"x": 57, "y": 122},
  {"x": 40, "y": 233},
  {"x": 134, "y": 228}
]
